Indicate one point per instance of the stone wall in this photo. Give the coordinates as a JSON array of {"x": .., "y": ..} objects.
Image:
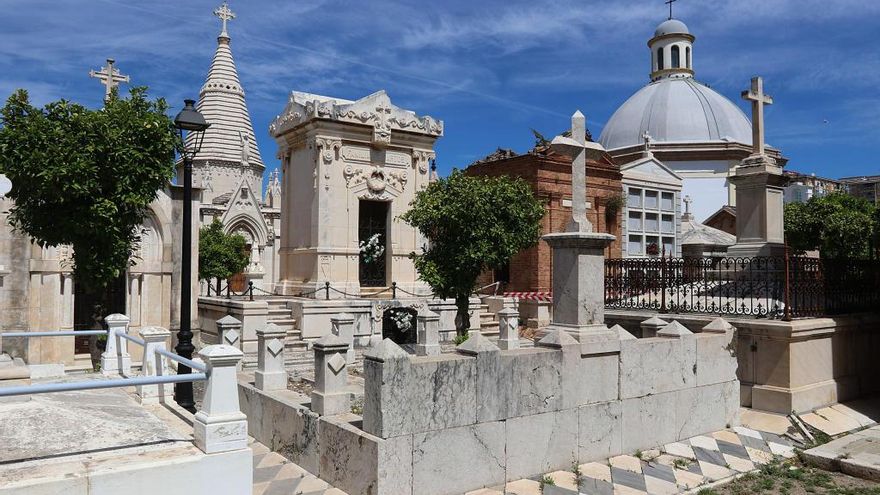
[
  {"x": 485, "y": 416},
  {"x": 794, "y": 366}
]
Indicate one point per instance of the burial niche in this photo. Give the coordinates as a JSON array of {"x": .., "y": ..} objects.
[{"x": 399, "y": 325}]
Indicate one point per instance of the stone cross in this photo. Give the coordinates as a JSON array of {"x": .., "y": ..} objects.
[
  {"x": 670, "y": 2},
  {"x": 759, "y": 99},
  {"x": 225, "y": 14},
  {"x": 687, "y": 206},
  {"x": 110, "y": 77},
  {"x": 575, "y": 147}
]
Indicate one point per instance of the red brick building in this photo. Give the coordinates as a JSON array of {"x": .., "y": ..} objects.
[{"x": 549, "y": 174}]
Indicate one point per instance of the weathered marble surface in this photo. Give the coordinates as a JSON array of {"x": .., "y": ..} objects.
[
  {"x": 600, "y": 431},
  {"x": 716, "y": 357},
  {"x": 281, "y": 421},
  {"x": 657, "y": 365},
  {"x": 404, "y": 395},
  {"x": 456, "y": 460},
  {"x": 707, "y": 408},
  {"x": 648, "y": 421},
  {"x": 532, "y": 382},
  {"x": 363, "y": 463},
  {"x": 539, "y": 443},
  {"x": 597, "y": 379}
]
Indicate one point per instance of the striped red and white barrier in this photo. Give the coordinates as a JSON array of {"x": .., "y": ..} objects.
[{"x": 531, "y": 295}]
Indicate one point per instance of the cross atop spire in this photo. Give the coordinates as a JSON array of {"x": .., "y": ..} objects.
[
  {"x": 225, "y": 14},
  {"x": 110, "y": 77},
  {"x": 756, "y": 95},
  {"x": 670, "y": 2}
]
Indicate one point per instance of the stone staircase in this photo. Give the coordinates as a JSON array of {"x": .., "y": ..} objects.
[
  {"x": 282, "y": 316},
  {"x": 488, "y": 323}
]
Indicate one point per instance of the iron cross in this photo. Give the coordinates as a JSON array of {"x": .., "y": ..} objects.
[
  {"x": 110, "y": 77},
  {"x": 225, "y": 14},
  {"x": 756, "y": 95},
  {"x": 670, "y": 2}
]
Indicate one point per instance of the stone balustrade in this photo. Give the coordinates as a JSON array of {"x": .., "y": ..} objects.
[
  {"x": 115, "y": 358},
  {"x": 154, "y": 364},
  {"x": 331, "y": 376},
  {"x": 270, "y": 374}
]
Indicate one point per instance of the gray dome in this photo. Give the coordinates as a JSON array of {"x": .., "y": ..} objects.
[
  {"x": 676, "y": 110},
  {"x": 671, "y": 26}
]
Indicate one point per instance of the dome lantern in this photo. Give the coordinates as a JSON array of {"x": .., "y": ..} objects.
[{"x": 671, "y": 50}]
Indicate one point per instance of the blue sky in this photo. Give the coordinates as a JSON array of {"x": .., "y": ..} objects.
[{"x": 491, "y": 69}]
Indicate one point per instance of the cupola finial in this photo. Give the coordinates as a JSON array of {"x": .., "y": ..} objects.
[{"x": 225, "y": 14}]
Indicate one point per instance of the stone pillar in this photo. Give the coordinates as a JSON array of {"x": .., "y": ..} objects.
[
  {"x": 428, "y": 334},
  {"x": 153, "y": 363},
  {"x": 220, "y": 426},
  {"x": 331, "y": 377},
  {"x": 115, "y": 358},
  {"x": 229, "y": 331},
  {"x": 343, "y": 326},
  {"x": 651, "y": 326},
  {"x": 270, "y": 374},
  {"x": 579, "y": 289},
  {"x": 508, "y": 329},
  {"x": 759, "y": 210}
]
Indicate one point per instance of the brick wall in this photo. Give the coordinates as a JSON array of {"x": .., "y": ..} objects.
[{"x": 550, "y": 178}]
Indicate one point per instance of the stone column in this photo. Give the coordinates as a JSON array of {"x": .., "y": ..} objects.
[
  {"x": 579, "y": 289},
  {"x": 115, "y": 358},
  {"x": 229, "y": 331},
  {"x": 342, "y": 325},
  {"x": 153, "y": 363},
  {"x": 428, "y": 334},
  {"x": 220, "y": 426},
  {"x": 508, "y": 329},
  {"x": 651, "y": 326},
  {"x": 331, "y": 377},
  {"x": 270, "y": 374}
]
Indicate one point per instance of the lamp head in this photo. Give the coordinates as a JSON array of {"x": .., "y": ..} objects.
[{"x": 189, "y": 119}]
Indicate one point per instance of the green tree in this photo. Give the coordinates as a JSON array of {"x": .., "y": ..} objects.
[
  {"x": 472, "y": 224},
  {"x": 838, "y": 225},
  {"x": 221, "y": 255},
  {"x": 85, "y": 178}
]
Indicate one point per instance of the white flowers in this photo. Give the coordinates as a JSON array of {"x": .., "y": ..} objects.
[
  {"x": 403, "y": 320},
  {"x": 371, "y": 249}
]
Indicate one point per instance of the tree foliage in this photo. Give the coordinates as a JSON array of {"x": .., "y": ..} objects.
[
  {"x": 85, "y": 178},
  {"x": 221, "y": 255},
  {"x": 838, "y": 225},
  {"x": 472, "y": 224}
]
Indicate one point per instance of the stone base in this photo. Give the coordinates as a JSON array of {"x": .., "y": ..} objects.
[
  {"x": 802, "y": 399},
  {"x": 115, "y": 365},
  {"x": 272, "y": 380},
  {"x": 428, "y": 349},
  {"x": 222, "y": 436},
  {"x": 752, "y": 249},
  {"x": 331, "y": 404},
  {"x": 594, "y": 339}
]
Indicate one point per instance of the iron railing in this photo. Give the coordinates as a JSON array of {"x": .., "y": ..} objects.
[{"x": 782, "y": 287}]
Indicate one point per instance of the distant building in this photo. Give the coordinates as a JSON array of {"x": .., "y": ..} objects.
[
  {"x": 802, "y": 187},
  {"x": 549, "y": 174},
  {"x": 866, "y": 186}
]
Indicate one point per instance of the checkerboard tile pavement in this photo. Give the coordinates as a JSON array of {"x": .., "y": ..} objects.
[
  {"x": 676, "y": 468},
  {"x": 275, "y": 475}
]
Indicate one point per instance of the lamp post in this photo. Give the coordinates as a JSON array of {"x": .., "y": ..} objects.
[{"x": 187, "y": 122}]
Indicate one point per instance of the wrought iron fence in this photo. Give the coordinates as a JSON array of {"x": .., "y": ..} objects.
[{"x": 782, "y": 287}]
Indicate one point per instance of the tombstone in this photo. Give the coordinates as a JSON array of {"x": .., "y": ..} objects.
[
  {"x": 399, "y": 325},
  {"x": 759, "y": 190},
  {"x": 579, "y": 256}
]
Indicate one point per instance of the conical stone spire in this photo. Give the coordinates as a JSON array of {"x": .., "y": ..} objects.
[{"x": 230, "y": 141}]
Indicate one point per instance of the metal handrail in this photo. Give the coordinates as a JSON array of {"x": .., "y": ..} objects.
[
  {"x": 63, "y": 333},
  {"x": 182, "y": 360},
  {"x": 100, "y": 384}
]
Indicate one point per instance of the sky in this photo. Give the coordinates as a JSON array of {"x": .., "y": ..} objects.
[{"x": 490, "y": 69}]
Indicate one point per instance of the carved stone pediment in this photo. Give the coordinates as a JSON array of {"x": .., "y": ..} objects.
[{"x": 375, "y": 110}]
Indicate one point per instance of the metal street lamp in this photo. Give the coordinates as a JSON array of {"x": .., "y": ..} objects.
[{"x": 188, "y": 122}]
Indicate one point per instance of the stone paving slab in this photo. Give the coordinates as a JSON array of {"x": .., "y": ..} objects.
[
  {"x": 676, "y": 468},
  {"x": 858, "y": 451}
]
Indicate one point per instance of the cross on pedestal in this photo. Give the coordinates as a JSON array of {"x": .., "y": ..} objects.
[
  {"x": 576, "y": 147},
  {"x": 756, "y": 95},
  {"x": 110, "y": 77},
  {"x": 225, "y": 14}
]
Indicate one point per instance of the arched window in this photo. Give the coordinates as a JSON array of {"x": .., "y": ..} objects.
[
  {"x": 676, "y": 57},
  {"x": 687, "y": 53},
  {"x": 660, "y": 58}
]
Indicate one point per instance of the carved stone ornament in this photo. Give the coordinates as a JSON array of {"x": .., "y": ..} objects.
[{"x": 421, "y": 160}]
